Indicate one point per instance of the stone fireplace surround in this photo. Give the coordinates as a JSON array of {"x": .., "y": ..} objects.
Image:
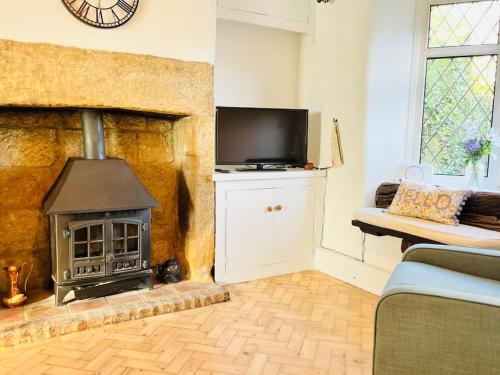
[{"x": 158, "y": 117}]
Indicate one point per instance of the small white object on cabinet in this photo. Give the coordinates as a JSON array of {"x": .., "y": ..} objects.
[{"x": 267, "y": 223}]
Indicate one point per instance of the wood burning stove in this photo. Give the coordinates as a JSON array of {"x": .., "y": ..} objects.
[
  {"x": 100, "y": 223},
  {"x": 99, "y": 253}
]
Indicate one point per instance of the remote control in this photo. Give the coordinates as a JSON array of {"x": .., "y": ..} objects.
[{"x": 222, "y": 170}]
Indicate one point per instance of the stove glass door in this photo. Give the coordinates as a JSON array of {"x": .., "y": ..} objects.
[
  {"x": 126, "y": 245},
  {"x": 87, "y": 244}
]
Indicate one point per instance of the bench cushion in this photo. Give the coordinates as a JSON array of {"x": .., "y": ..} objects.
[{"x": 460, "y": 235}]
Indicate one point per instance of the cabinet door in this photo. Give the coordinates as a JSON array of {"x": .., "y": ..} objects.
[
  {"x": 249, "y": 228},
  {"x": 293, "y": 10},
  {"x": 293, "y": 237}
]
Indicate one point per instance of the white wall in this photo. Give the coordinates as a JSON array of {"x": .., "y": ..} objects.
[
  {"x": 358, "y": 69},
  {"x": 388, "y": 103},
  {"x": 333, "y": 83},
  {"x": 168, "y": 28},
  {"x": 256, "y": 66}
]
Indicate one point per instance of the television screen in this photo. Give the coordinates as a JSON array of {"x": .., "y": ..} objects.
[{"x": 261, "y": 136}]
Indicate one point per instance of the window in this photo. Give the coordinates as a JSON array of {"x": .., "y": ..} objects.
[{"x": 459, "y": 72}]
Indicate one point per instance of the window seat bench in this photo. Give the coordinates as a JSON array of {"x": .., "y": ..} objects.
[{"x": 479, "y": 222}]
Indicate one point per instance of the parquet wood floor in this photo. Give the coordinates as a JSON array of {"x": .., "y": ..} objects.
[{"x": 304, "y": 323}]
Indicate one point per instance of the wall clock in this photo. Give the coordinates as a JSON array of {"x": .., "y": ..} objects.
[{"x": 102, "y": 13}]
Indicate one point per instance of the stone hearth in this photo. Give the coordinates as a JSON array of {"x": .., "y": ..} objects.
[
  {"x": 158, "y": 117},
  {"x": 42, "y": 320}
]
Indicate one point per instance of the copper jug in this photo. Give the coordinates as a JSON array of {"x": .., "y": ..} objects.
[{"x": 14, "y": 297}]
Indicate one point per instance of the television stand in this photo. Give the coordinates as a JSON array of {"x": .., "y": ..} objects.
[
  {"x": 260, "y": 169},
  {"x": 287, "y": 235}
]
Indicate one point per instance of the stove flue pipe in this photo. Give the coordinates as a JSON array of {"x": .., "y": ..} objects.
[{"x": 93, "y": 135}]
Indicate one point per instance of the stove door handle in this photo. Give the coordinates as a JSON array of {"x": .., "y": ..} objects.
[
  {"x": 66, "y": 233},
  {"x": 110, "y": 258}
]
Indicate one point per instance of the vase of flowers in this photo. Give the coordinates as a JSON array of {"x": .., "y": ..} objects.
[{"x": 477, "y": 150}]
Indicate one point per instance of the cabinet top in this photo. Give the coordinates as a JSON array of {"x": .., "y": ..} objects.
[{"x": 252, "y": 176}]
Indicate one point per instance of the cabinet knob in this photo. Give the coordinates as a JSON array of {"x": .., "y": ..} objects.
[
  {"x": 279, "y": 207},
  {"x": 269, "y": 209}
]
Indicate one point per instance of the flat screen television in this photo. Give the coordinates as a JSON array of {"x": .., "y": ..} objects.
[{"x": 261, "y": 136}]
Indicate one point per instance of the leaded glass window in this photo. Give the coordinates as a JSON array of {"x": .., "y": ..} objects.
[{"x": 461, "y": 62}]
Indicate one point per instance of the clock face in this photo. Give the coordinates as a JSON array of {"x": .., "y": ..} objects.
[{"x": 102, "y": 13}]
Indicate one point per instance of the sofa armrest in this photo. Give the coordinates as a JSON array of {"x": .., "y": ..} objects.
[
  {"x": 432, "y": 320},
  {"x": 436, "y": 330},
  {"x": 477, "y": 262}
]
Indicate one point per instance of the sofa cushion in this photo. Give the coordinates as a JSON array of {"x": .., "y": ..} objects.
[{"x": 460, "y": 235}]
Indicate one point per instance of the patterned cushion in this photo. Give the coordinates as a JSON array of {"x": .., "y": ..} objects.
[{"x": 424, "y": 201}]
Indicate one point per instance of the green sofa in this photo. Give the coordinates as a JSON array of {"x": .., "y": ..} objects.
[{"x": 440, "y": 313}]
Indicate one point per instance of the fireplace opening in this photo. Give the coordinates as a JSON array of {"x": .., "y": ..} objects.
[{"x": 100, "y": 222}]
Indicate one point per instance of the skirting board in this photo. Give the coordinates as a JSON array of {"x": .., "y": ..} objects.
[
  {"x": 262, "y": 272},
  {"x": 351, "y": 271}
]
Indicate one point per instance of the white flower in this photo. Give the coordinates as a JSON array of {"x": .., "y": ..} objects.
[{"x": 491, "y": 136}]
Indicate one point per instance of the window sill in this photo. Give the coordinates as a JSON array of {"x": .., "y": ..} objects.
[{"x": 460, "y": 183}]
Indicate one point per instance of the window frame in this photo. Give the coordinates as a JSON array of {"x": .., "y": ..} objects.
[{"x": 421, "y": 54}]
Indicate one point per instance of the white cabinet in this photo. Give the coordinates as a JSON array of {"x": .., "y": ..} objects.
[
  {"x": 267, "y": 223},
  {"x": 293, "y": 15}
]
